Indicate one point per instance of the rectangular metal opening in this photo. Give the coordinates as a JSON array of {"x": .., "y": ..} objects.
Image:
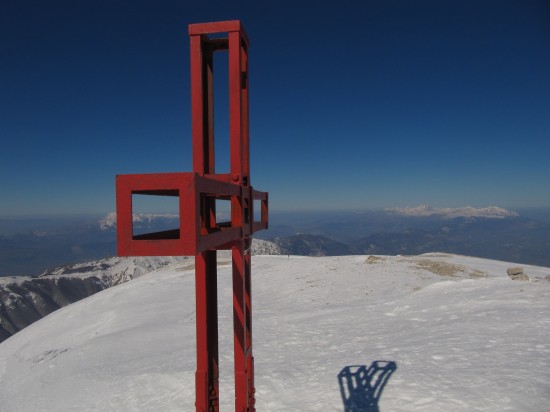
[
  {"x": 223, "y": 212},
  {"x": 155, "y": 214},
  {"x": 221, "y": 111},
  {"x": 257, "y": 210}
]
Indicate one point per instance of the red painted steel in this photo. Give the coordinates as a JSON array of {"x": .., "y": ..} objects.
[{"x": 199, "y": 233}]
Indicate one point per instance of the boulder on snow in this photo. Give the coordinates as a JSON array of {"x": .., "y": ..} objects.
[
  {"x": 516, "y": 273},
  {"x": 516, "y": 270}
]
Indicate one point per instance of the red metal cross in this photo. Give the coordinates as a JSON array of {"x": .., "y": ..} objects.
[{"x": 199, "y": 232}]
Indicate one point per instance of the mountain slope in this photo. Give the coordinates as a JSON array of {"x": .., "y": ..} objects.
[
  {"x": 24, "y": 300},
  {"x": 453, "y": 334},
  {"x": 305, "y": 244}
]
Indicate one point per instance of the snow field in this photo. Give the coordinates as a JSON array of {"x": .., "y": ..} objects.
[{"x": 463, "y": 336}]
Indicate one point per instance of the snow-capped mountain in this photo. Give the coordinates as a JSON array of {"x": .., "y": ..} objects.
[
  {"x": 24, "y": 299},
  {"x": 433, "y": 332},
  {"x": 491, "y": 212},
  {"x": 109, "y": 221},
  {"x": 265, "y": 247}
]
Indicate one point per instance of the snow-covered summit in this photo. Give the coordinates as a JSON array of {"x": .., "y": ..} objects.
[
  {"x": 456, "y": 332},
  {"x": 265, "y": 247},
  {"x": 450, "y": 213},
  {"x": 109, "y": 221}
]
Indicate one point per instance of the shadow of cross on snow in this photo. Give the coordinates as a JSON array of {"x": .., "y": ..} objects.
[{"x": 361, "y": 387}]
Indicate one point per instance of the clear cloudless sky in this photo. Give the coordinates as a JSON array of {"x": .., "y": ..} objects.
[{"x": 354, "y": 104}]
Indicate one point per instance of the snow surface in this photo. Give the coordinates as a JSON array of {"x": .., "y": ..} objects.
[{"x": 461, "y": 335}]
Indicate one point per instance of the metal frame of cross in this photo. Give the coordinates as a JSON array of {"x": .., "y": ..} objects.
[{"x": 199, "y": 232}]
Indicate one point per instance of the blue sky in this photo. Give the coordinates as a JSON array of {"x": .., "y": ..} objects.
[{"x": 354, "y": 104}]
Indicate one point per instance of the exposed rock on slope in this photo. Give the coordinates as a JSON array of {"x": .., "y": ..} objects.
[
  {"x": 24, "y": 300},
  {"x": 264, "y": 247}
]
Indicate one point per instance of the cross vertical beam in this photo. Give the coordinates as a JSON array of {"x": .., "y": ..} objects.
[
  {"x": 202, "y": 49},
  {"x": 206, "y": 292},
  {"x": 207, "y": 373},
  {"x": 242, "y": 209}
]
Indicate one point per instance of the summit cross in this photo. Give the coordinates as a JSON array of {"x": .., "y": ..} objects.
[{"x": 200, "y": 233}]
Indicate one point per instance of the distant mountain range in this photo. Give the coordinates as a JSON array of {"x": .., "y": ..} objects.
[
  {"x": 492, "y": 233},
  {"x": 28, "y": 247},
  {"x": 491, "y": 212}
]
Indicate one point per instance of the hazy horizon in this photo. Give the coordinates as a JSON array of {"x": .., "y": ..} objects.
[{"x": 30, "y": 245}]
